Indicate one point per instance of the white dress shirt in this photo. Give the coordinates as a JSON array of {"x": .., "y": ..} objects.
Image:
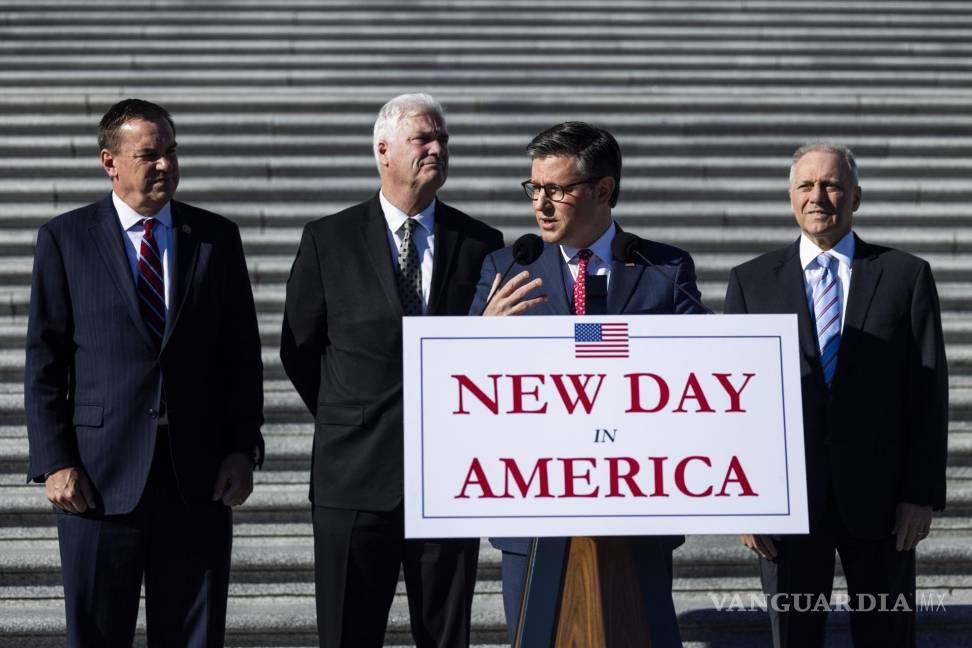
[
  {"x": 423, "y": 237},
  {"x": 131, "y": 224},
  {"x": 598, "y": 264},
  {"x": 844, "y": 253}
]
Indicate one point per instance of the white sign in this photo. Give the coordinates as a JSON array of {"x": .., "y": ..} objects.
[{"x": 603, "y": 425}]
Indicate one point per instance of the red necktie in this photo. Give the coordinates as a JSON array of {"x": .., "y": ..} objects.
[
  {"x": 151, "y": 286},
  {"x": 580, "y": 285}
]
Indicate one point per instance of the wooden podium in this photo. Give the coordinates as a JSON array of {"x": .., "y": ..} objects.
[{"x": 582, "y": 593}]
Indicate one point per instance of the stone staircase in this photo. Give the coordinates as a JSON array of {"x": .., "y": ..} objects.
[{"x": 274, "y": 104}]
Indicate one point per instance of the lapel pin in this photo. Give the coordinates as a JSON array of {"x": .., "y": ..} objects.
[{"x": 186, "y": 229}]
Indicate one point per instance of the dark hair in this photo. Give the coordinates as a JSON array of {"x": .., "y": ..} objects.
[
  {"x": 124, "y": 111},
  {"x": 597, "y": 152}
]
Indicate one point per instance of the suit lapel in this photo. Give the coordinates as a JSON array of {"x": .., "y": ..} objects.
[
  {"x": 447, "y": 243},
  {"x": 550, "y": 269},
  {"x": 865, "y": 276},
  {"x": 185, "y": 250},
  {"x": 624, "y": 280},
  {"x": 374, "y": 238},
  {"x": 107, "y": 235},
  {"x": 792, "y": 291}
]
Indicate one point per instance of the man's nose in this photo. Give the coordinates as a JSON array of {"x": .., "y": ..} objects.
[
  {"x": 437, "y": 147},
  {"x": 541, "y": 199},
  {"x": 818, "y": 193}
]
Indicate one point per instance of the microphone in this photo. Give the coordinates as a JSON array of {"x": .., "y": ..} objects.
[
  {"x": 526, "y": 250},
  {"x": 625, "y": 248}
]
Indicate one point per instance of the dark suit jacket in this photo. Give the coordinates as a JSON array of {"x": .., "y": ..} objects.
[
  {"x": 633, "y": 289},
  {"x": 94, "y": 381},
  {"x": 879, "y": 435},
  {"x": 342, "y": 342}
]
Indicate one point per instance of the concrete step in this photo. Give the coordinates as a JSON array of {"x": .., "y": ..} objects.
[
  {"x": 282, "y": 241},
  {"x": 25, "y": 504},
  {"x": 270, "y": 272},
  {"x": 269, "y": 298},
  {"x": 502, "y": 166},
  {"x": 509, "y": 211},
  {"x": 285, "y": 610},
  {"x": 197, "y": 109},
  {"x": 201, "y": 141},
  {"x": 281, "y": 405},
  {"x": 957, "y": 326},
  {"x": 31, "y": 565},
  {"x": 486, "y": 13},
  {"x": 705, "y": 620},
  {"x": 284, "y": 618},
  {"x": 288, "y": 447},
  {"x": 769, "y": 44},
  {"x": 623, "y": 120},
  {"x": 408, "y": 59},
  {"x": 575, "y": 25}
]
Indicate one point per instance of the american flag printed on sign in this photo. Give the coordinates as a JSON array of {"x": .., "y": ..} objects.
[{"x": 601, "y": 340}]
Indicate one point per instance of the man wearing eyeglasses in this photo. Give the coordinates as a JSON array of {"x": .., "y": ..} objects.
[{"x": 574, "y": 184}]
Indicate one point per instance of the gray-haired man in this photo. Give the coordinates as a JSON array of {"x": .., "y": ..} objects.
[
  {"x": 356, "y": 274},
  {"x": 875, "y": 410}
]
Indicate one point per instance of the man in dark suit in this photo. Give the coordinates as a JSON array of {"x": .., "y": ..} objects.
[
  {"x": 403, "y": 252},
  {"x": 875, "y": 409},
  {"x": 574, "y": 184},
  {"x": 143, "y": 394}
]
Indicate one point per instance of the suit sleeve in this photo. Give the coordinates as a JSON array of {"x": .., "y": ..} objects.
[
  {"x": 241, "y": 355},
  {"x": 303, "y": 339},
  {"x": 685, "y": 279},
  {"x": 735, "y": 302},
  {"x": 486, "y": 276},
  {"x": 927, "y": 387},
  {"x": 50, "y": 362}
]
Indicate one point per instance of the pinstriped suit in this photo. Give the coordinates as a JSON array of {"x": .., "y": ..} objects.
[{"x": 94, "y": 387}]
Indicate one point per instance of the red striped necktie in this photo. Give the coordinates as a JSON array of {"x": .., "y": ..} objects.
[{"x": 151, "y": 285}]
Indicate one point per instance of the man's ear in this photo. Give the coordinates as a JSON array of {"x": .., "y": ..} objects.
[
  {"x": 382, "y": 153},
  {"x": 108, "y": 163},
  {"x": 857, "y": 198},
  {"x": 604, "y": 189}
]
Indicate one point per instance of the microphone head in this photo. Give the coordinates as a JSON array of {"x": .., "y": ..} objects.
[
  {"x": 527, "y": 249},
  {"x": 624, "y": 246}
]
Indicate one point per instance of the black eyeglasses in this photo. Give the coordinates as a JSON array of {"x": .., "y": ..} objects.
[{"x": 555, "y": 192}]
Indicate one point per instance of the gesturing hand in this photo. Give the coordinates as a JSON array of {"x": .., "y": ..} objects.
[{"x": 510, "y": 298}]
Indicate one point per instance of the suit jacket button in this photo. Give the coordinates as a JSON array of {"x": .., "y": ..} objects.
[{"x": 153, "y": 413}]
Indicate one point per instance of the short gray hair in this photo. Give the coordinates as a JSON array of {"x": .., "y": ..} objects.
[
  {"x": 400, "y": 107},
  {"x": 839, "y": 150}
]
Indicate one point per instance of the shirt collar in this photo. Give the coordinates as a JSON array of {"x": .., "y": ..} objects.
[
  {"x": 130, "y": 218},
  {"x": 395, "y": 217},
  {"x": 601, "y": 247},
  {"x": 843, "y": 251}
]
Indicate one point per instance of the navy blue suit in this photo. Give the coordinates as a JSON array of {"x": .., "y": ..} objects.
[
  {"x": 95, "y": 387},
  {"x": 633, "y": 289}
]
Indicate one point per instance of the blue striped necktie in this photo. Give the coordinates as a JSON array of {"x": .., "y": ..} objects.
[{"x": 826, "y": 309}]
